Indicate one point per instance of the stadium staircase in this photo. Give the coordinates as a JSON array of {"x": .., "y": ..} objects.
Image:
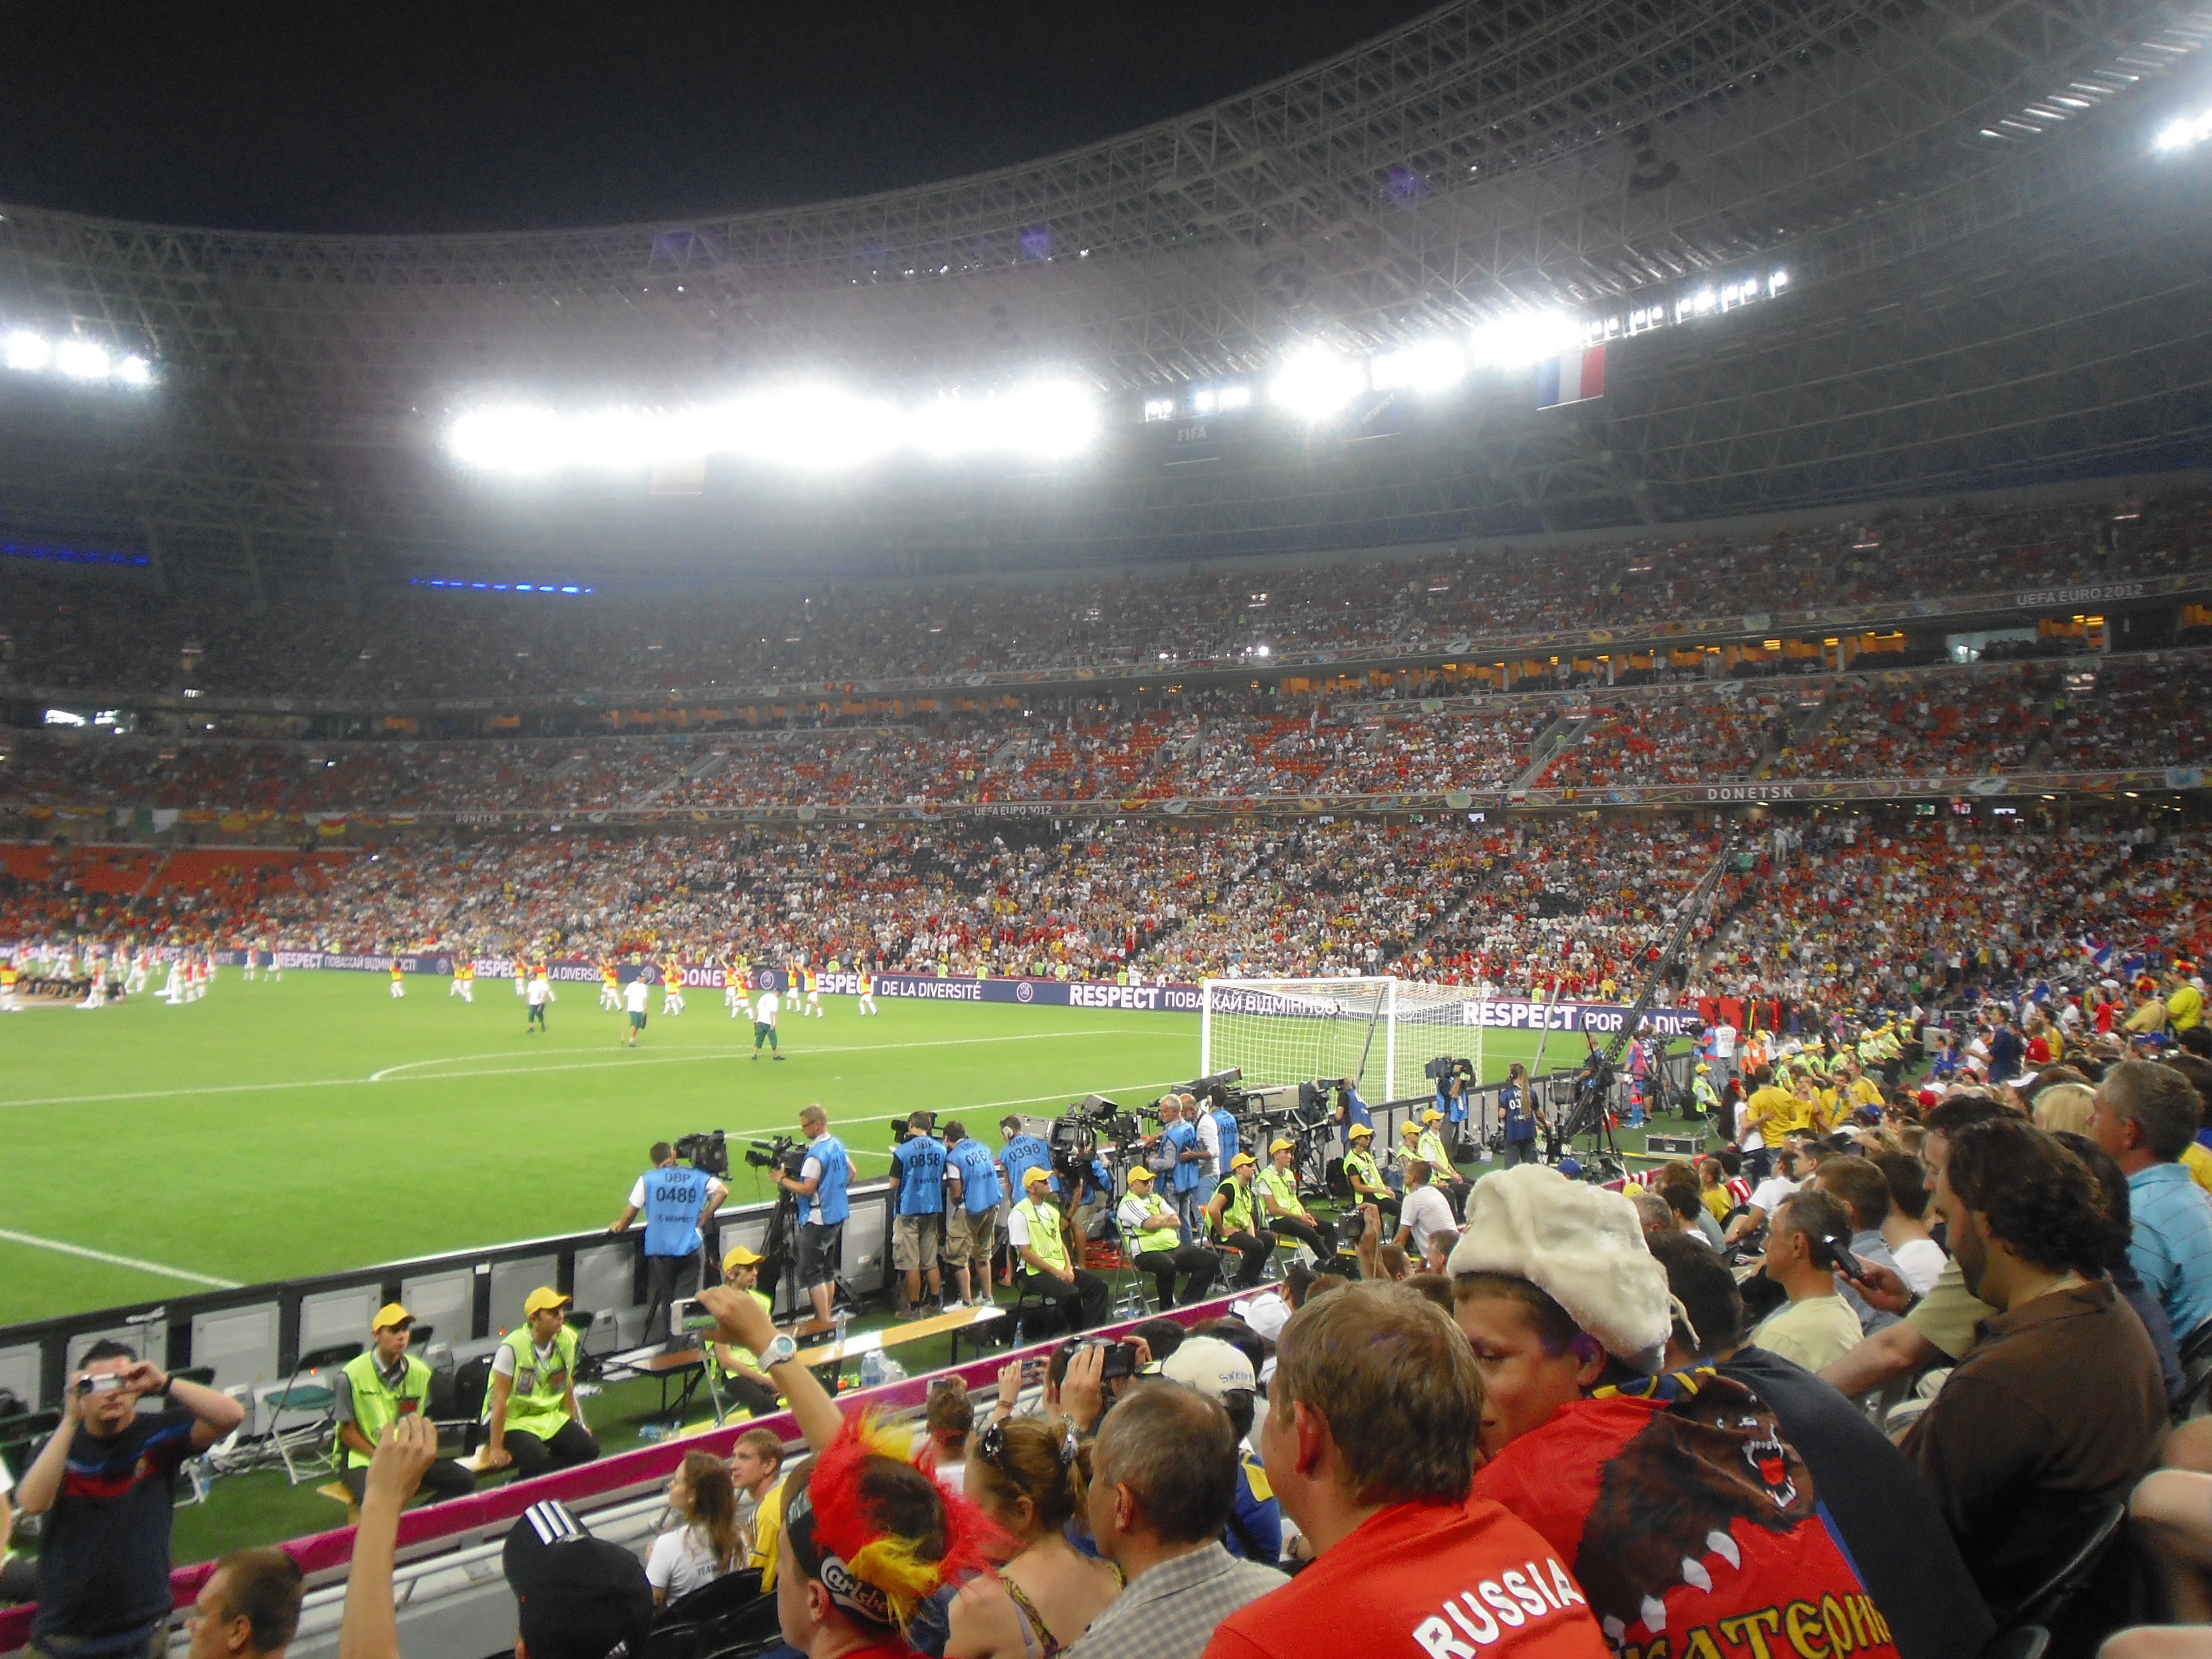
[{"x": 1562, "y": 733}]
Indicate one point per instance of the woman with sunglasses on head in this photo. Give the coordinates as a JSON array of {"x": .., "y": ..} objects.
[{"x": 1030, "y": 1476}]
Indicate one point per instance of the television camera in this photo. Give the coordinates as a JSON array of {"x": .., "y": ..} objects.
[
  {"x": 785, "y": 1152},
  {"x": 1450, "y": 1066},
  {"x": 1077, "y": 1134},
  {"x": 903, "y": 1130},
  {"x": 706, "y": 1150}
]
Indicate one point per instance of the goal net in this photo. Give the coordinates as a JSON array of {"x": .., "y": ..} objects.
[{"x": 1379, "y": 1031}]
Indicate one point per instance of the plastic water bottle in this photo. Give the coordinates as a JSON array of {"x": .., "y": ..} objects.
[{"x": 872, "y": 1369}]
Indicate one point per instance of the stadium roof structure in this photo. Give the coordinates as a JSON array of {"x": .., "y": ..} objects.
[{"x": 1992, "y": 278}]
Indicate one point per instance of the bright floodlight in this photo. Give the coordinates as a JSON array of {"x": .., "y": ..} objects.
[
  {"x": 2185, "y": 134},
  {"x": 1431, "y": 365},
  {"x": 82, "y": 360},
  {"x": 1314, "y": 382},
  {"x": 803, "y": 428},
  {"x": 1522, "y": 337},
  {"x": 26, "y": 352},
  {"x": 135, "y": 371}
]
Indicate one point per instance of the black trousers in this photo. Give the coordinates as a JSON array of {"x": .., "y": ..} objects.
[
  {"x": 1307, "y": 1234},
  {"x": 743, "y": 1391},
  {"x": 667, "y": 1277},
  {"x": 442, "y": 1479},
  {"x": 1255, "y": 1251},
  {"x": 1199, "y": 1267},
  {"x": 1083, "y": 1305},
  {"x": 571, "y": 1445}
]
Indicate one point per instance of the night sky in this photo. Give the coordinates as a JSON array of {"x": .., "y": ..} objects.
[{"x": 394, "y": 118}]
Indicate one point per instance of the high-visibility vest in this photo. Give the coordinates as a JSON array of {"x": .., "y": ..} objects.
[
  {"x": 375, "y": 1404},
  {"x": 1360, "y": 1169},
  {"x": 1044, "y": 1234},
  {"x": 745, "y": 1356},
  {"x": 538, "y": 1402},
  {"x": 1236, "y": 1213},
  {"x": 1282, "y": 1187},
  {"x": 1429, "y": 1148}
]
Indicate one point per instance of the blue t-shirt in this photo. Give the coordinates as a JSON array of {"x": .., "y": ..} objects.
[
  {"x": 1520, "y": 1121},
  {"x": 1260, "y": 1518},
  {"x": 1022, "y": 1154},
  {"x": 920, "y": 1161},
  {"x": 1183, "y": 1137},
  {"x": 1355, "y": 1110},
  {"x": 1224, "y": 1125},
  {"x": 1453, "y": 1106},
  {"x": 979, "y": 1175},
  {"x": 674, "y": 1199},
  {"x": 104, "y": 1559},
  {"x": 2172, "y": 1248},
  {"x": 828, "y": 1153}
]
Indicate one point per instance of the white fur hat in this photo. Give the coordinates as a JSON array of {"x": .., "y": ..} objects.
[{"x": 1581, "y": 1245}]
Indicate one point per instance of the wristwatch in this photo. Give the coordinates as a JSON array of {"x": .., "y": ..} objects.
[{"x": 781, "y": 1352}]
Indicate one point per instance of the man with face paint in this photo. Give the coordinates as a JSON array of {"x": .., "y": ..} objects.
[{"x": 1674, "y": 1498}]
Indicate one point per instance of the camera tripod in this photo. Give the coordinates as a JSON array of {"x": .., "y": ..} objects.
[{"x": 780, "y": 1251}]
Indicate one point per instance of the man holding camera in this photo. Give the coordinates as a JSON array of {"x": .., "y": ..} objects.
[
  {"x": 819, "y": 1187},
  {"x": 917, "y": 1210},
  {"x": 674, "y": 1199},
  {"x": 107, "y": 1482},
  {"x": 1034, "y": 1235}
]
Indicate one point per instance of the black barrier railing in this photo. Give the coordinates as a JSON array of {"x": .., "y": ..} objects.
[{"x": 255, "y": 1334}]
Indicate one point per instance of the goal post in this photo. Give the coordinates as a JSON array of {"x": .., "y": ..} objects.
[{"x": 1379, "y": 1031}]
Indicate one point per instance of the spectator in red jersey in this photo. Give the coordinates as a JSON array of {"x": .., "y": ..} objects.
[
  {"x": 1684, "y": 1512},
  {"x": 1369, "y": 1445}
]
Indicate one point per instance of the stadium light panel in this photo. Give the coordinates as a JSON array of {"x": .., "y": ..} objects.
[
  {"x": 27, "y": 353},
  {"x": 1315, "y": 382},
  {"x": 802, "y": 429},
  {"x": 1524, "y": 338},
  {"x": 2185, "y": 134},
  {"x": 82, "y": 360},
  {"x": 1430, "y": 365}
]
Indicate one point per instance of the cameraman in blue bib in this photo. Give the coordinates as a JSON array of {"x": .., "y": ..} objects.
[
  {"x": 917, "y": 1210},
  {"x": 819, "y": 1187},
  {"x": 673, "y": 1199}
]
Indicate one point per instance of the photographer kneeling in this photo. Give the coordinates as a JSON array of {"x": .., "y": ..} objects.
[{"x": 1151, "y": 1233}]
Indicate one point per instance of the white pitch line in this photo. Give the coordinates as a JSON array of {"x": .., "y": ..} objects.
[
  {"x": 36, "y": 1242},
  {"x": 523, "y": 1071}
]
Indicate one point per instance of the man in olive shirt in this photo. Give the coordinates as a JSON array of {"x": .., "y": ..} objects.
[{"x": 2021, "y": 1457}]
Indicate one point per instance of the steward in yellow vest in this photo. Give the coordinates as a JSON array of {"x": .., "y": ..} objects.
[
  {"x": 531, "y": 1406},
  {"x": 381, "y": 1383}
]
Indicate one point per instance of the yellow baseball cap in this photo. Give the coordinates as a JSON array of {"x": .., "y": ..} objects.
[
  {"x": 1432, "y": 1115},
  {"x": 1140, "y": 1173},
  {"x": 389, "y": 1314},
  {"x": 1409, "y": 1127},
  {"x": 1037, "y": 1173},
  {"x": 1241, "y": 1160},
  {"x": 739, "y": 1256},
  {"x": 1358, "y": 1130},
  {"x": 543, "y": 1298},
  {"x": 1279, "y": 1145}
]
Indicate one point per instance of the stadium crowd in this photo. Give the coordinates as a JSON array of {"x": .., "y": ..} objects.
[
  {"x": 432, "y": 643},
  {"x": 1956, "y": 722},
  {"x": 1870, "y": 1379},
  {"x": 1841, "y": 908}
]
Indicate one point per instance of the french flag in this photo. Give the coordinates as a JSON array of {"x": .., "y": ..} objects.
[
  {"x": 1573, "y": 377},
  {"x": 2096, "y": 950}
]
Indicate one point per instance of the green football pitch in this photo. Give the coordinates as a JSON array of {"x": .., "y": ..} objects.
[{"x": 276, "y": 1129}]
